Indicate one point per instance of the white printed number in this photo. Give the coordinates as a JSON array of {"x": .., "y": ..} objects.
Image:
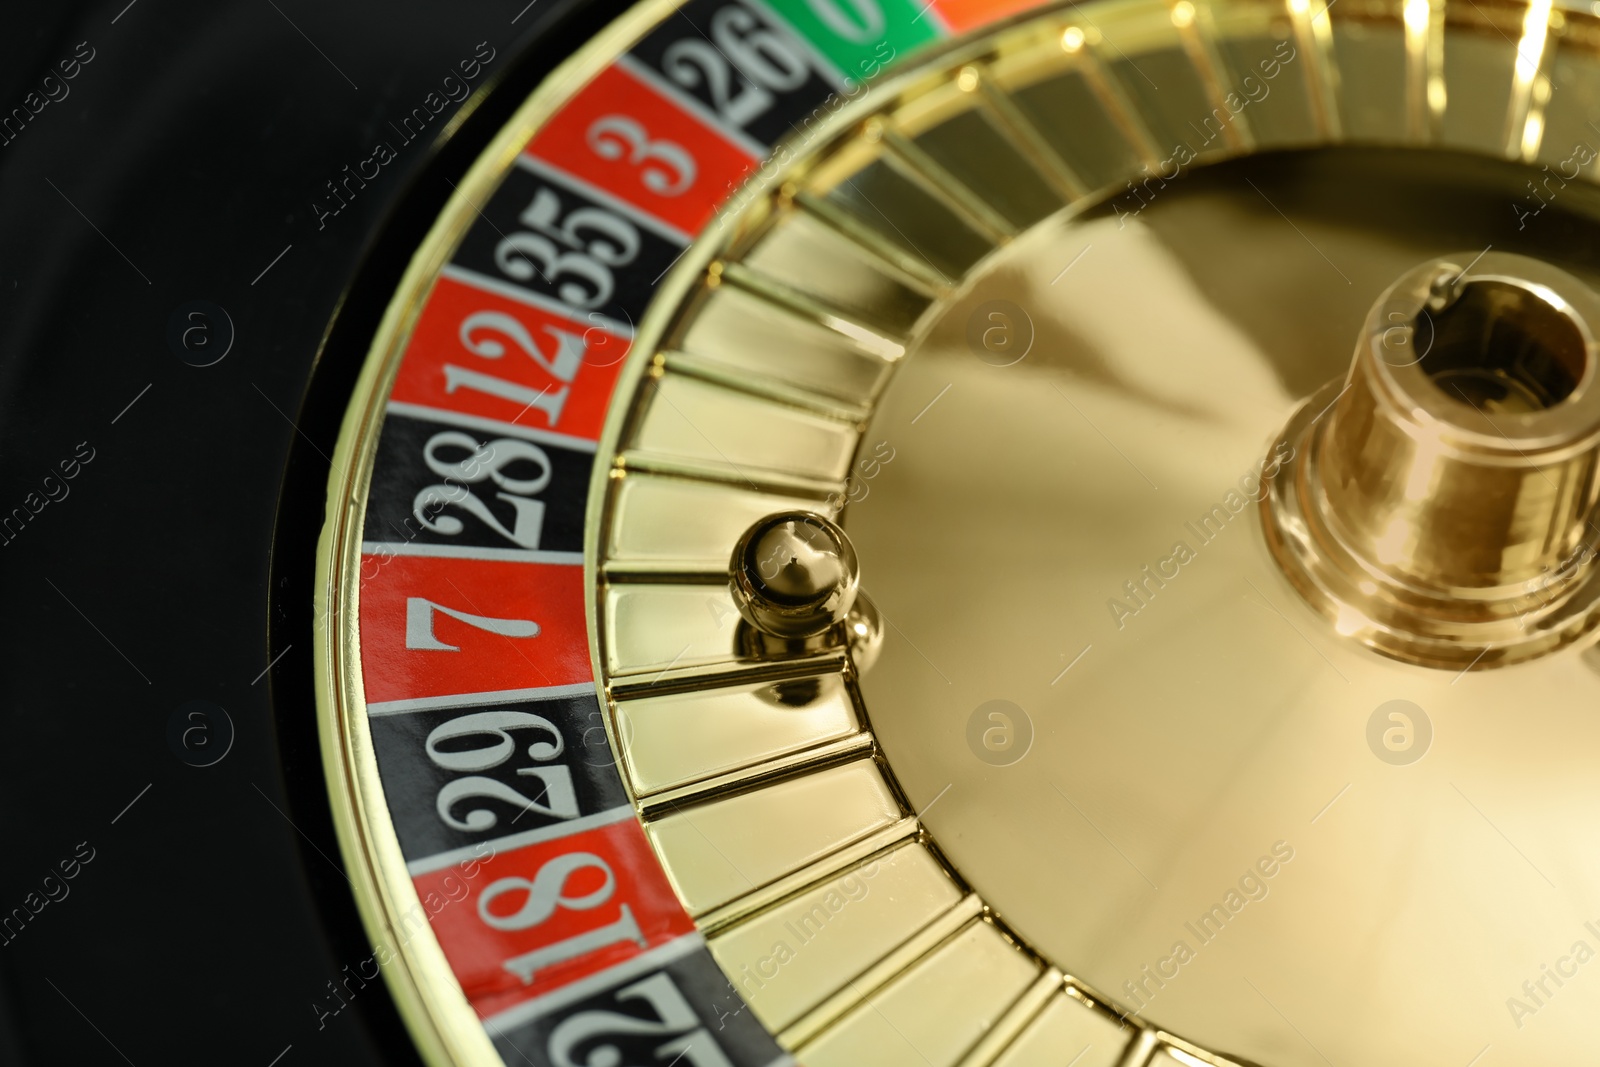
[
  {"x": 668, "y": 168},
  {"x": 560, "y": 799},
  {"x": 764, "y": 61},
  {"x": 595, "y": 241},
  {"x": 419, "y": 625},
  {"x": 478, "y": 336},
  {"x": 543, "y": 896},
  {"x": 684, "y": 1040},
  {"x": 483, "y": 462}
]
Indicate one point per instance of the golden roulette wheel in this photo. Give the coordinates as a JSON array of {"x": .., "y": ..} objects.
[{"x": 831, "y": 532}]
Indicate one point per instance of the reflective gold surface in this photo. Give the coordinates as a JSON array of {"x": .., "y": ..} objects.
[
  {"x": 1208, "y": 825},
  {"x": 738, "y": 726},
  {"x": 1064, "y": 1027},
  {"x": 923, "y": 1017},
  {"x": 718, "y": 851},
  {"x": 1184, "y": 802},
  {"x": 784, "y": 833},
  {"x": 793, "y": 576},
  {"x": 783, "y": 962},
  {"x": 1436, "y": 504}
]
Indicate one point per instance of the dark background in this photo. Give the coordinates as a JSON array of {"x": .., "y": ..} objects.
[{"x": 177, "y": 566}]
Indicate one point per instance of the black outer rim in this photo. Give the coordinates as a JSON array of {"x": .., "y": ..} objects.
[
  {"x": 183, "y": 160},
  {"x": 562, "y": 26}
]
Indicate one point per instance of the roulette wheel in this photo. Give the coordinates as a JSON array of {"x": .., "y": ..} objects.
[{"x": 746, "y": 532}]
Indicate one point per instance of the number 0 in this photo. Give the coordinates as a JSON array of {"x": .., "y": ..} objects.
[{"x": 859, "y": 24}]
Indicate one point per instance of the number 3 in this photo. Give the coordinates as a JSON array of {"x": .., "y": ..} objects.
[{"x": 615, "y": 136}]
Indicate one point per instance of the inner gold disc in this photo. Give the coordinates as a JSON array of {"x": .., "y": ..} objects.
[{"x": 1131, "y": 734}]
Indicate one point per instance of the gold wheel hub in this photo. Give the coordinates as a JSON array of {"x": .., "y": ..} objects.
[{"x": 1441, "y": 504}]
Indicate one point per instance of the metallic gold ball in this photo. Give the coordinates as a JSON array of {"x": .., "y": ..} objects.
[{"x": 794, "y": 574}]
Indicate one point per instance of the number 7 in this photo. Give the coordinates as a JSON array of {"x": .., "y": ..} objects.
[{"x": 419, "y": 625}]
